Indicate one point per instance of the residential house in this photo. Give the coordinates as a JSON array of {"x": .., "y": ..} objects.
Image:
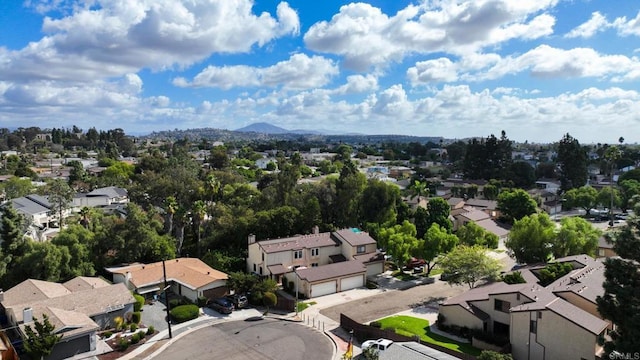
[
  {"x": 188, "y": 277},
  {"x": 77, "y": 308},
  {"x": 101, "y": 197},
  {"x": 605, "y": 248},
  {"x": 36, "y": 209},
  {"x": 467, "y": 214},
  {"x": 559, "y": 321},
  {"x": 319, "y": 263}
]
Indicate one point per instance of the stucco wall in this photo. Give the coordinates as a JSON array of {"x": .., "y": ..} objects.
[
  {"x": 503, "y": 317},
  {"x": 457, "y": 315}
]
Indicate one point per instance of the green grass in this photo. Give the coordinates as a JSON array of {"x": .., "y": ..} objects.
[
  {"x": 411, "y": 326},
  {"x": 304, "y": 305},
  {"x": 399, "y": 274},
  {"x": 435, "y": 271}
]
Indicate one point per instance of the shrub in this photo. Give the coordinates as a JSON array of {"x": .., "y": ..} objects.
[
  {"x": 123, "y": 344},
  {"x": 137, "y": 306},
  {"x": 106, "y": 334},
  {"x": 133, "y": 327},
  {"x": 492, "y": 355},
  {"x": 184, "y": 313},
  {"x": 371, "y": 285},
  {"x": 141, "y": 334},
  {"x": 118, "y": 322},
  {"x": 375, "y": 324},
  {"x": 175, "y": 303},
  {"x": 150, "y": 330},
  {"x": 202, "y": 301},
  {"x": 135, "y": 338},
  {"x": 135, "y": 317}
]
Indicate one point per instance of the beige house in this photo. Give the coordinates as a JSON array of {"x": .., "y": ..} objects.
[
  {"x": 317, "y": 264},
  {"x": 605, "y": 249},
  {"x": 559, "y": 321},
  {"x": 77, "y": 308},
  {"x": 189, "y": 277}
]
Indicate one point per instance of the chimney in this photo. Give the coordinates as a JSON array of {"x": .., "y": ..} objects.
[
  {"x": 128, "y": 276},
  {"x": 27, "y": 315},
  {"x": 316, "y": 230},
  {"x": 251, "y": 239}
]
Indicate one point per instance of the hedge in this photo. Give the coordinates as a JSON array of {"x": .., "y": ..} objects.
[
  {"x": 184, "y": 313},
  {"x": 135, "y": 317},
  {"x": 137, "y": 306}
]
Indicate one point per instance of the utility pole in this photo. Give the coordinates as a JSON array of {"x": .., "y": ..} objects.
[{"x": 166, "y": 298}]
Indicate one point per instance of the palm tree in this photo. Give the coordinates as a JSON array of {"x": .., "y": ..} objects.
[
  {"x": 213, "y": 185},
  {"x": 198, "y": 212},
  {"x": 84, "y": 217},
  {"x": 171, "y": 206},
  {"x": 180, "y": 217},
  {"x": 419, "y": 188}
]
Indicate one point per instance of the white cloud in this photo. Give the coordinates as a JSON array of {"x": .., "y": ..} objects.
[
  {"x": 298, "y": 72},
  {"x": 358, "y": 84},
  {"x": 628, "y": 27},
  {"x": 367, "y": 37},
  {"x": 596, "y": 24},
  {"x": 117, "y": 37},
  {"x": 437, "y": 70}
]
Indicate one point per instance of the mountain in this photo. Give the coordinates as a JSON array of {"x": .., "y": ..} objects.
[{"x": 263, "y": 128}]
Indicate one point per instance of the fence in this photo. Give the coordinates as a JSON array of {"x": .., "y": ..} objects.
[{"x": 364, "y": 332}]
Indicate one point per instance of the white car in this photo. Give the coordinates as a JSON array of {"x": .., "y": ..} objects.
[{"x": 380, "y": 345}]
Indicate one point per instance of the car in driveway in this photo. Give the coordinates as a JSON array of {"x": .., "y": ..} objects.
[
  {"x": 221, "y": 305},
  {"x": 239, "y": 301},
  {"x": 379, "y": 345}
]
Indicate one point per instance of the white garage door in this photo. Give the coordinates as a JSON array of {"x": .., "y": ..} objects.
[
  {"x": 324, "y": 288},
  {"x": 351, "y": 282}
]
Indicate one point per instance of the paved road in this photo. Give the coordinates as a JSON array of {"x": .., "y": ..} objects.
[
  {"x": 247, "y": 340},
  {"x": 393, "y": 301}
]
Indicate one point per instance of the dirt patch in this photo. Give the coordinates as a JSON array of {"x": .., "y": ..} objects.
[{"x": 116, "y": 353}]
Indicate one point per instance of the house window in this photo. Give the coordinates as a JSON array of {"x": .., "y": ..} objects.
[
  {"x": 600, "y": 252},
  {"x": 533, "y": 326},
  {"x": 297, "y": 254},
  {"x": 254, "y": 267},
  {"x": 315, "y": 252},
  {"x": 361, "y": 249},
  {"x": 518, "y": 296},
  {"x": 314, "y": 264},
  {"x": 262, "y": 256},
  {"x": 539, "y": 314},
  {"x": 501, "y": 305},
  {"x": 260, "y": 270}
]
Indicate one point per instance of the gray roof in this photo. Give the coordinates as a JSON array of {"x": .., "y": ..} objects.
[
  {"x": 331, "y": 271},
  {"x": 413, "y": 351},
  {"x": 297, "y": 243},
  {"x": 354, "y": 237},
  {"x": 591, "y": 323},
  {"x": 109, "y": 191},
  {"x": 31, "y": 204}
]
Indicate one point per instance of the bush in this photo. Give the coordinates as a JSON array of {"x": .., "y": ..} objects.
[
  {"x": 375, "y": 324},
  {"x": 175, "y": 303},
  {"x": 118, "y": 322},
  {"x": 137, "y": 306},
  {"x": 371, "y": 285},
  {"x": 150, "y": 330},
  {"x": 106, "y": 334},
  {"x": 135, "y": 338},
  {"x": 135, "y": 317},
  {"x": 123, "y": 344},
  {"x": 202, "y": 301},
  {"x": 184, "y": 313},
  {"x": 490, "y": 338},
  {"x": 133, "y": 327},
  {"x": 492, "y": 355},
  {"x": 513, "y": 278}
]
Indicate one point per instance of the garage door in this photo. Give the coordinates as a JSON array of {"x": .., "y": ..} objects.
[
  {"x": 351, "y": 282},
  {"x": 324, "y": 288}
]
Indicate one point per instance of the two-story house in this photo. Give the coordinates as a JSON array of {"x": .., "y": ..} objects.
[
  {"x": 319, "y": 263},
  {"x": 557, "y": 321}
]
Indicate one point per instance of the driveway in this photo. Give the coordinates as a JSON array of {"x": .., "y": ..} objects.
[{"x": 248, "y": 340}]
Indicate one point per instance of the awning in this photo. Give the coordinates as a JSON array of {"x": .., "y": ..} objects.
[
  {"x": 146, "y": 290},
  {"x": 277, "y": 269}
]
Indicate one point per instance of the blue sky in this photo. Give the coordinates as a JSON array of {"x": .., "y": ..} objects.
[{"x": 535, "y": 68}]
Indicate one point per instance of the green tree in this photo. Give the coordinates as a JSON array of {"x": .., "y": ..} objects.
[
  {"x": 436, "y": 242},
  {"x": 219, "y": 159},
  {"x": 493, "y": 355},
  {"x": 606, "y": 199},
  {"x": 469, "y": 264},
  {"x": 532, "y": 239},
  {"x": 516, "y": 204},
  {"x": 472, "y": 234},
  {"x": 379, "y": 202},
  {"x": 16, "y": 187},
  {"x": 576, "y": 236},
  {"x": 79, "y": 243},
  {"x": 439, "y": 210},
  {"x": 60, "y": 196},
  {"x": 241, "y": 282},
  {"x": 630, "y": 188},
  {"x": 491, "y": 191},
  {"x": 349, "y": 188},
  {"x": 572, "y": 160},
  {"x": 522, "y": 175},
  {"x": 620, "y": 304},
  {"x": 117, "y": 174},
  {"x": 198, "y": 212},
  {"x": 400, "y": 242},
  {"x": 39, "y": 343},
  {"x": 269, "y": 300},
  {"x": 584, "y": 197}
]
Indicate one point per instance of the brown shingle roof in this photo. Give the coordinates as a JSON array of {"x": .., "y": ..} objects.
[
  {"x": 330, "y": 271},
  {"x": 297, "y": 243},
  {"x": 190, "y": 272},
  {"x": 66, "y": 323},
  {"x": 33, "y": 290},
  {"x": 80, "y": 283}
]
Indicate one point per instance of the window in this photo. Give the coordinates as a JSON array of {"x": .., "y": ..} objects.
[
  {"x": 262, "y": 256},
  {"x": 501, "y": 305},
  {"x": 254, "y": 267},
  {"x": 314, "y": 264},
  {"x": 600, "y": 252},
  {"x": 539, "y": 314},
  {"x": 297, "y": 254},
  {"x": 518, "y": 296},
  {"x": 260, "y": 270},
  {"x": 315, "y": 252},
  {"x": 361, "y": 249},
  {"x": 533, "y": 326}
]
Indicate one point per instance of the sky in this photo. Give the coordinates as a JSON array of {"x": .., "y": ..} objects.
[{"x": 537, "y": 69}]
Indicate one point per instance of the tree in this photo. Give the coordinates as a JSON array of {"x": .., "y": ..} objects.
[
  {"x": 521, "y": 174},
  {"x": 241, "y": 282},
  {"x": 379, "y": 202},
  {"x": 437, "y": 241},
  {"x": 469, "y": 264},
  {"x": 171, "y": 206},
  {"x": 472, "y": 234},
  {"x": 60, "y": 196},
  {"x": 576, "y": 236},
  {"x": 584, "y": 197},
  {"x": 493, "y": 355},
  {"x": 572, "y": 160},
  {"x": 16, "y": 187},
  {"x": 630, "y": 188},
  {"x": 400, "y": 242},
  {"x": 269, "y": 299},
  {"x": 532, "y": 239},
  {"x": 198, "y": 212},
  {"x": 620, "y": 304},
  {"x": 439, "y": 210},
  {"x": 39, "y": 343},
  {"x": 516, "y": 204},
  {"x": 609, "y": 197}
]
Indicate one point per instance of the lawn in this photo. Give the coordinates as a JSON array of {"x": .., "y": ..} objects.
[
  {"x": 304, "y": 305},
  {"x": 411, "y": 326},
  {"x": 399, "y": 274}
]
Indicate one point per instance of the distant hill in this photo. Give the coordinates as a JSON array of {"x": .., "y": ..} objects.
[{"x": 264, "y": 128}]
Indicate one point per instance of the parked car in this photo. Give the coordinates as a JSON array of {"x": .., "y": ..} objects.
[
  {"x": 239, "y": 301},
  {"x": 380, "y": 345},
  {"x": 221, "y": 305}
]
